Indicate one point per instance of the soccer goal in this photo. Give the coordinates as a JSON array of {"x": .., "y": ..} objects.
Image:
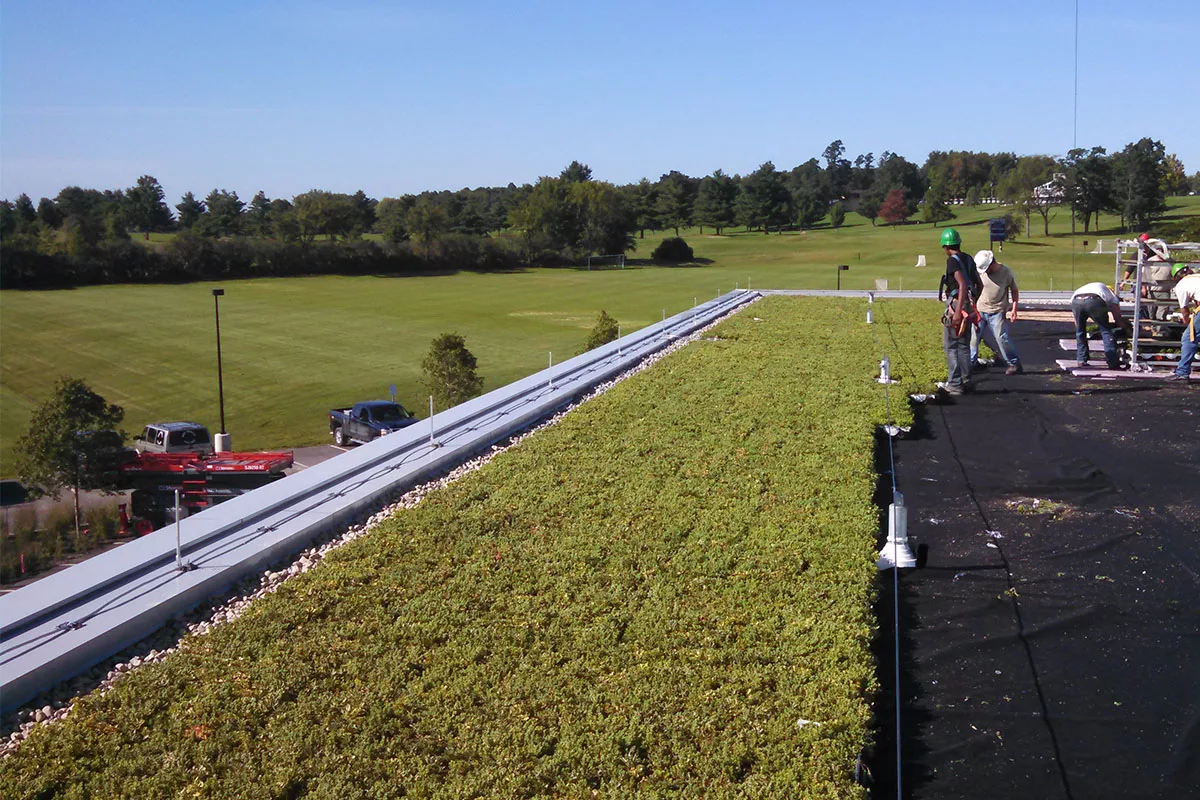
[{"x": 606, "y": 261}]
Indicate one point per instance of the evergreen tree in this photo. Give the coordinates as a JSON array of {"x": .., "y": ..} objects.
[
  {"x": 190, "y": 211},
  {"x": 146, "y": 206},
  {"x": 1139, "y": 174},
  {"x": 605, "y": 331},
  {"x": 449, "y": 371},
  {"x": 715, "y": 201}
]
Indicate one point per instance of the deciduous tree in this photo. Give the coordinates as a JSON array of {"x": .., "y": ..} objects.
[
  {"x": 1089, "y": 183},
  {"x": 868, "y": 205},
  {"x": 1020, "y": 184},
  {"x": 894, "y": 208},
  {"x": 73, "y": 442},
  {"x": 426, "y": 220}
]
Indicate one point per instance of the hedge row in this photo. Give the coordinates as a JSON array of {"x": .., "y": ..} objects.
[
  {"x": 668, "y": 593},
  {"x": 189, "y": 257}
]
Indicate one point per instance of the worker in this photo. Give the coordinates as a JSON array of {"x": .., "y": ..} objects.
[
  {"x": 1187, "y": 292},
  {"x": 1155, "y": 257},
  {"x": 1095, "y": 301},
  {"x": 995, "y": 309},
  {"x": 960, "y": 313},
  {"x": 1156, "y": 276}
]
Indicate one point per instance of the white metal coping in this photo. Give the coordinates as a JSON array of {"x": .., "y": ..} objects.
[{"x": 61, "y": 625}]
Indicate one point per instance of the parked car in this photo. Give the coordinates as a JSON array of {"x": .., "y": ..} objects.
[
  {"x": 366, "y": 421},
  {"x": 174, "y": 437}
]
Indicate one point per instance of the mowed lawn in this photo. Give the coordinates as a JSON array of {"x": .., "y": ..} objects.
[{"x": 294, "y": 347}]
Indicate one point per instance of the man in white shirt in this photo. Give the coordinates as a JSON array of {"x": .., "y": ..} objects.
[
  {"x": 1187, "y": 292},
  {"x": 1094, "y": 301},
  {"x": 999, "y": 284}
]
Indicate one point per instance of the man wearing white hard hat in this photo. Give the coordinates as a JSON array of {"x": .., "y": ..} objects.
[{"x": 997, "y": 305}]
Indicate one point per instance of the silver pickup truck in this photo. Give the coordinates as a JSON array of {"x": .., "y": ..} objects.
[{"x": 174, "y": 437}]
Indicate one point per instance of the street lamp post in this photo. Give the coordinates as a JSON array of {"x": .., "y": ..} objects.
[{"x": 217, "y": 293}]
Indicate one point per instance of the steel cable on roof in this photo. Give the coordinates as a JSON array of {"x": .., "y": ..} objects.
[{"x": 895, "y": 557}]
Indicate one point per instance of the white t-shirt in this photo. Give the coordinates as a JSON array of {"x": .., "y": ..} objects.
[
  {"x": 1187, "y": 291},
  {"x": 1101, "y": 289}
]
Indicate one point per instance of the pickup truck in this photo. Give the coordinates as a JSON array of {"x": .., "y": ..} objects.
[
  {"x": 174, "y": 437},
  {"x": 363, "y": 422}
]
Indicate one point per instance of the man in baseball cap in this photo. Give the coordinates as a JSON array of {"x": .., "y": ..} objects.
[
  {"x": 1187, "y": 292},
  {"x": 996, "y": 309}
]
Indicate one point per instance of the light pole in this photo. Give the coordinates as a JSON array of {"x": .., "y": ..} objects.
[{"x": 220, "y": 381}]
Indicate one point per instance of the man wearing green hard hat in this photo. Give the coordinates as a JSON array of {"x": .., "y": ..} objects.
[{"x": 958, "y": 284}]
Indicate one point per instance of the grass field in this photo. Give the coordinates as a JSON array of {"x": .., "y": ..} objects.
[{"x": 292, "y": 348}]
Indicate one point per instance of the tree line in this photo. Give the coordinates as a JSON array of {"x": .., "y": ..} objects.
[{"x": 85, "y": 236}]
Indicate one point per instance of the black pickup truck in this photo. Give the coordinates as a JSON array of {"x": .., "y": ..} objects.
[{"x": 363, "y": 422}]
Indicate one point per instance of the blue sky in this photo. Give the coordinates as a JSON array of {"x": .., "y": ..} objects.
[{"x": 400, "y": 97}]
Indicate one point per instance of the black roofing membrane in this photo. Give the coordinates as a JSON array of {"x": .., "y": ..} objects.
[{"x": 1048, "y": 649}]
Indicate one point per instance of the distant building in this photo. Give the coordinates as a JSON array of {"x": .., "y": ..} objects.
[{"x": 1053, "y": 191}]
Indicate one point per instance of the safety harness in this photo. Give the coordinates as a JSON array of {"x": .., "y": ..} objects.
[{"x": 948, "y": 291}]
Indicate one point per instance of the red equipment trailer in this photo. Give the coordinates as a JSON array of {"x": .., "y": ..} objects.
[{"x": 203, "y": 480}]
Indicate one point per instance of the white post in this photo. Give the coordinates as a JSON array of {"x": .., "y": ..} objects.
[
  {"x": 618, "y": 338},
  {"x": 895, "y": 552},
  {"x": 885, "y": 371},
  {"x": 664, "y": 319},
  {"x": 550, "y": 367},
  {"x": 178, "y": 535},
  {"x": 868, "y": 316},
  {"x": 432, "y": 441}
]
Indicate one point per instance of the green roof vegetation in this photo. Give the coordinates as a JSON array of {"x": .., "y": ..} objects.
[{"x": 666, "y": 593}]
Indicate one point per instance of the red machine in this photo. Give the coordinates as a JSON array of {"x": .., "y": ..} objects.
[{"x": 203, "y": 480}]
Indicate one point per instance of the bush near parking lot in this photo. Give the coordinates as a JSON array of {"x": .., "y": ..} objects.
[{"x": 666, "y": 593}]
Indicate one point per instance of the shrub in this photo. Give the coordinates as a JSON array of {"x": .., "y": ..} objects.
[
  {"x": 606, "y": 331},
  {"x": 450, "y": 371},
  {"x": 673, "y": 249},
  {"x": 837, "y": 215}
]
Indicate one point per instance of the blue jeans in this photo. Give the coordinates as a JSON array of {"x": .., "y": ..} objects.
[
  {"x": 1092, "y": 307},
  {"x": 1188, "y": 346},
  {"x": 997, "y": 323}
]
